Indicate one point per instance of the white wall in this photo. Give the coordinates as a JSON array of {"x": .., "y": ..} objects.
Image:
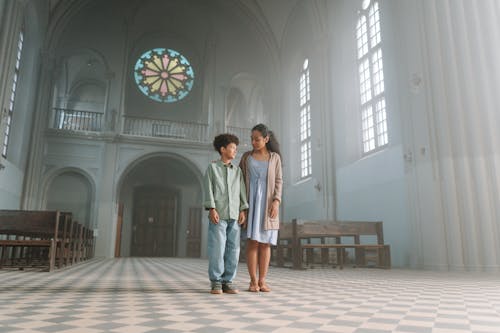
[
  {"x": 310, "y": 197},
  {"x": 452, "y": 72},
  {"x": 371, "y": 187},
  {"x": 34, "y": 16},
  {"x": 11, "y": 180},
  {"x": 435, "y": 186}
]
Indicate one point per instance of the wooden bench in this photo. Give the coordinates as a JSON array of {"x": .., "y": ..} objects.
[
  {"x": 43, "y": 238},
  {"x": 37, "y": 236},
  {"x": 306, "y": 236}
]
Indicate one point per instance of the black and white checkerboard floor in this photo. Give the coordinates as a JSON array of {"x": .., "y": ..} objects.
[{"x": 171, "y": 295}]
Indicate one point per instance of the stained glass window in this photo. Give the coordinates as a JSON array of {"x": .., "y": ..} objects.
[{"x": 164, "y": 75}]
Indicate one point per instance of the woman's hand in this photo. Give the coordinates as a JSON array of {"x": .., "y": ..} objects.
[{"x": 273, "y": 211}]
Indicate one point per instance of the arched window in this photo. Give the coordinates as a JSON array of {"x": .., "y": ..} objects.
[
  {"x": 12, "y": 97},
  {"x": 305, "y": 121},
  {"x": 371, "y": 77}
]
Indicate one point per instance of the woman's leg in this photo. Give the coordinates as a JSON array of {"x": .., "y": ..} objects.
[
  {"x": 264, "y": 259},
  {"x": 252, "y": 259}
]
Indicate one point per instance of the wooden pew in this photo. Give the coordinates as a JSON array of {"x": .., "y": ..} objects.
[
  {"x": 68, "y": 241},
  {"x": 26, "y": 239},
  {"x": 88, "y": 244},
  {"x": 34, "y": 232},
  {"x": 305, "y": 236}
]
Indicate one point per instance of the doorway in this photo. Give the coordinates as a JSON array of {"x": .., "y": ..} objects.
[
  {"x": 154, "y": 222},
  {"x": 157, "y": 193}
]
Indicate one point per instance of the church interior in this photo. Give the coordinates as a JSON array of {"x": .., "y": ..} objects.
[{"x": 385, "y": 111}]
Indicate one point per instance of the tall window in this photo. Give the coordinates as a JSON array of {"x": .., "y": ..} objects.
[
  {"x": 305, "y": 121},
  {"x": 13, "y": 94},
  {"x": 371, "y": 77}
]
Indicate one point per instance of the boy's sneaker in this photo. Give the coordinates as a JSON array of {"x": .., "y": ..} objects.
[
  {"x": 216, "y": 288},
  {"x": 229, "y": 289}
]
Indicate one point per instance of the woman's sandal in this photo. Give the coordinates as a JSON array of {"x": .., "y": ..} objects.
[
  {"x": 264, "y": 287},
  {"x": 254, "y": 287}
]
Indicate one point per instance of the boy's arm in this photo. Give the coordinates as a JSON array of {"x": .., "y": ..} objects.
[
  {"x": 208, "y": 189},
  {"x": 209, "y": 203}
]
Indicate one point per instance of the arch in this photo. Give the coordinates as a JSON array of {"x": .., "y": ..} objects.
[
  {"x": 164, "y": 187},
  {"x": 84, "y": 71},
  {"x": 236, "y": 107},
  {"x": 93, "y": 57},
  {"x": 78, "y": 65},
  {"x": 61, "y": 16},
  {"x": 90, "y": 182},
  {"x": 191, "y": 166},
  {"x": 244, "y": 95},
  {"x": 66, "y": 11},
  {"x": 316, "y": 17},
  {"x": 84, "y": 88}
]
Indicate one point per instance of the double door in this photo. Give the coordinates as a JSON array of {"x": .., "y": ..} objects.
[{"x": 154, "y": 222}]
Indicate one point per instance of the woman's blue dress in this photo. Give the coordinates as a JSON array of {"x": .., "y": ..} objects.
[{"x": 257, "y": 202}]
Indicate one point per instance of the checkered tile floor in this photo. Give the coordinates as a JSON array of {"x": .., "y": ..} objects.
[{"x": 135, "y": 295}]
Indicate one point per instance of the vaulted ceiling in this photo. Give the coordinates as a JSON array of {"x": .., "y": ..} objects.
[{"x": 271, "y": 15}]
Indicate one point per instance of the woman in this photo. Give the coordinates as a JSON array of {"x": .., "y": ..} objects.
[{"x": 263, "y": 178}]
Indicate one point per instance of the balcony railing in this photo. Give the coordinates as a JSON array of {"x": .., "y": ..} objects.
[
  {"x": 88, "y": 121},
  {"x": 73, "y": 120},
  {"x": 166, "y": 129}
]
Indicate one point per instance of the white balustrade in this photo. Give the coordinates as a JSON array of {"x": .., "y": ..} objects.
[{"x": 177, "y": 130}]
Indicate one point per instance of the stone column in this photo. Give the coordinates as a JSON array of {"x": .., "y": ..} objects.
[{"x": 33, "y": 190}]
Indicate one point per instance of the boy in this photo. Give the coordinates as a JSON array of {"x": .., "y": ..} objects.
[{"x": 226, "y": 201}]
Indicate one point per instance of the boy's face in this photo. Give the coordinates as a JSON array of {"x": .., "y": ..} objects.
[{"x": 229, "y": 152}]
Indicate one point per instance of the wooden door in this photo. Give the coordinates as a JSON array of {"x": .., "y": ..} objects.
[
  {"x": 153, "y": 225},
  {"x": 193, "y": 233}
]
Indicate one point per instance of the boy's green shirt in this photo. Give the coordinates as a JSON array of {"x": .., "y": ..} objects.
[{"x": 225, "y": 190}]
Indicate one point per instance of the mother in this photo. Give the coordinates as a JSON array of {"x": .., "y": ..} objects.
[{"x": 263, "y": 178}]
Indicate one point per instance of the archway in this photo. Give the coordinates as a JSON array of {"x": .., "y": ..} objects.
[
  {"x": 72, "y": 192},
  {"x": 159, "y": 208}
]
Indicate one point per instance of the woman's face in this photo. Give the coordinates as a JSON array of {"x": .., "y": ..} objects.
[{"x": 258, "y": 141}]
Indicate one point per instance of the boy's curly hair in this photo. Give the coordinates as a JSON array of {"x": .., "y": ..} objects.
[{"x": 222, "y": 140}]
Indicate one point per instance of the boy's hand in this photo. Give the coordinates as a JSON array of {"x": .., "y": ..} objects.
[
  {"x": 213, "y": 216},
  {"x": 242, "y": 218}
]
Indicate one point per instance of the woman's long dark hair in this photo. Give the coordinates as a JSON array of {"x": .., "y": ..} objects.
[{"x": 271, "y": 145}]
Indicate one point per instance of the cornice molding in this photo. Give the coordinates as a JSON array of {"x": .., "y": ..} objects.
[{"x": 123, "y": 138}]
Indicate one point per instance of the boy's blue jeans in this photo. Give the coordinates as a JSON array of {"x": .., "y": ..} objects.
[{"x": 223, "y": 250}]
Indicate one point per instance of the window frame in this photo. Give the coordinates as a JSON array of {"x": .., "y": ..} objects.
[
  {"x": 304, "y": 117},
  {"x": 12, "y": 99},
  {"x": 369, "y": 58}
]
